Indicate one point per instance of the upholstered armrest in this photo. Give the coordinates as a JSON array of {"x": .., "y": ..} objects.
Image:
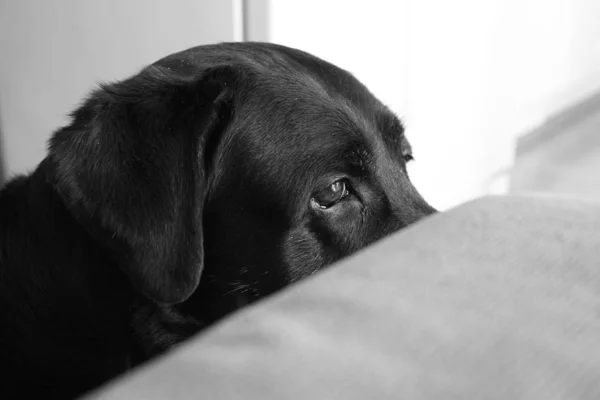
[{"x": 496, "y": 299}]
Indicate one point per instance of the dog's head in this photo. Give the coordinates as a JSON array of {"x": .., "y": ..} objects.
[{"x": 243, "y": 166}]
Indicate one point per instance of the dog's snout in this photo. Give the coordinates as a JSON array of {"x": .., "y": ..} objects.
[
  {"x": 419, "y": 211},
  {"x": 408, "y": 213},
  {"x": 426, "y": 209}
]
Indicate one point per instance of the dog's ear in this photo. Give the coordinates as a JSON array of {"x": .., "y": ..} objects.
[{"x": 133, "y": 167}]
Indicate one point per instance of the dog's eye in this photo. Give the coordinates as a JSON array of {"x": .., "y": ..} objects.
[{"x": 331, "y": 195}]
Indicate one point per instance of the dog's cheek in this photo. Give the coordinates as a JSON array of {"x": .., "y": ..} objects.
[
  {"x": 303, "y": 254},
  {"x": 344, "y": 234}
]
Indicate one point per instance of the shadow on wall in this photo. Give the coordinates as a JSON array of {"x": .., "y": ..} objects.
[{"x": 562, "y": 156}]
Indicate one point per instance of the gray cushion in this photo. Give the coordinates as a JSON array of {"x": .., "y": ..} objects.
[{"x": 496, "y": 299}]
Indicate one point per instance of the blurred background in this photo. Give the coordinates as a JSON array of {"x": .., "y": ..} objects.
[{"x": 498, "y": 96}]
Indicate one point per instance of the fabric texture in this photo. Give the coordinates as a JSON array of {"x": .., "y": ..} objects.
[{"x": 496, "y": 299}]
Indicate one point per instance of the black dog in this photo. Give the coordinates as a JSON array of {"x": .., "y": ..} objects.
[{"x": 212, "y": 178}]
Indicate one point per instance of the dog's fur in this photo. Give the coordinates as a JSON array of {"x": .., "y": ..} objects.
[{"x": 181, "y": 194}]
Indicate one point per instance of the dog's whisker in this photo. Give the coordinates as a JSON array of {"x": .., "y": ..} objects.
[{"x": 243, "y": 288}]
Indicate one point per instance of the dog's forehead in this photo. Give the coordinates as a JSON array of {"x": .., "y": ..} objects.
[
  {"x": 296, "y": 106},
  {"x": 301, "y": 113},
  {"x": 284, "y": 71},
  {"x": 310, "y": 94},
  {"x": 304, "y": 125},
  {"x": 305, "y": 133},
  {"x": 328, "y": 95}
]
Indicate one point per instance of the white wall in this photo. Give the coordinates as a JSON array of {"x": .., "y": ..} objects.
[
  {"x": 52, "y": 52},
  {"x": 467, "y": 76}
]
